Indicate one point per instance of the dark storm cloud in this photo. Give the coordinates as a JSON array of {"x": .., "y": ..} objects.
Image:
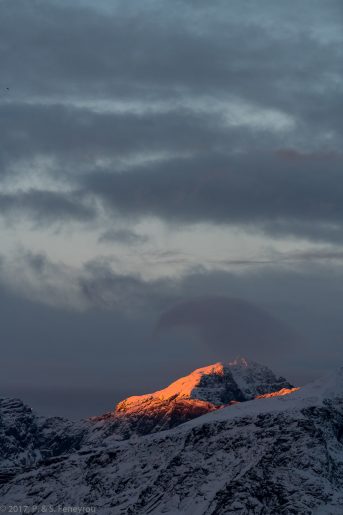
[
  {"x": 308, "y": 299},
  {"x": 46, "y": 207},
  {"x": 290, "y": 320},
  {"x": 281, "y": 191},
  {"x": 102, "y": 287},
  {"x": 230, "y": 325},
  {"x": 254, "y": 189},
  {"x": 177, "y": 66},
  {"x": 161, "y": 51},
  {"x": 79, "y": 136},
  {"x": 96, "y": 284}
]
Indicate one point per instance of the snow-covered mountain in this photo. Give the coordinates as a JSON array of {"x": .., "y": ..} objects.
[
  {"x": 27, "y": 439},
  {"x": 204, "y": 390},
  {"x": 272, "y": 455}
]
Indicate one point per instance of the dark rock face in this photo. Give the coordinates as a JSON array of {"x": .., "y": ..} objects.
[
  {"x": 239, "y": 381},
  {"x": 204, "y": 390},
  {"x": 26, "y": 439},
  {"x": 152, "y": 416},
  {"x": 17, "y": 432}
]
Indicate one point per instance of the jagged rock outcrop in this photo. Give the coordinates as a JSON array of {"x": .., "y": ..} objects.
[
  {"x": 277, "y": 455},
  {"x": 204, "y": 390},
  {"x": 27, "y": 439}
]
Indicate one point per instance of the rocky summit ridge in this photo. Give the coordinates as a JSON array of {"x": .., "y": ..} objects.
[
  {"x": 277, "y": 453},
  {"x": 203, "y": 390}
]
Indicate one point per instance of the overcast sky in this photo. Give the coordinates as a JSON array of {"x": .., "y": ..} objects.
[{"x": 171, "y": 193}]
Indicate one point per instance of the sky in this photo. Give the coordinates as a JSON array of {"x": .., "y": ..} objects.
[{"x": 171, "y": 193}]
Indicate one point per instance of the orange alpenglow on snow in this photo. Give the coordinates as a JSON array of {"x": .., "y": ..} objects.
[
  {"x": 180, "y": 389},
  {"x": 209, "y": 385},
  {"x": 204, "y": 390},
  {"x": 279, "y": 393}
]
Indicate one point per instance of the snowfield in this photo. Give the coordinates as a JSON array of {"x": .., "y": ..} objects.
[{"x": 277, "y": 455}]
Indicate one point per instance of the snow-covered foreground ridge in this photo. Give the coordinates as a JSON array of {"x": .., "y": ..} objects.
[{"x": 274, "y": 455}]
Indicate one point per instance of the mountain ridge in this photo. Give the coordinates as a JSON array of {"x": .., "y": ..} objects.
[
  {"x": 276, "y": 455},
  {"x": 203, "y": 390},
  {"x": 186, "y": 386},
  {"x": 27, "y": 439}
]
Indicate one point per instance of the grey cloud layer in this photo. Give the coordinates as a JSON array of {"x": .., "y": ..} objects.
[
  {"x": 78, "y": 137},
  {"x": 281, "y": 307},
  {"x": 158, "y": 50},
  {"x": 284, "y": 190},
  {"x": 46, "y": 207},
  {"x": 124, "y": 236},
  {"x": 250, "y": 189},
  {"x": 176, "y": 66},
  {"x": 95, "y": 285}
]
